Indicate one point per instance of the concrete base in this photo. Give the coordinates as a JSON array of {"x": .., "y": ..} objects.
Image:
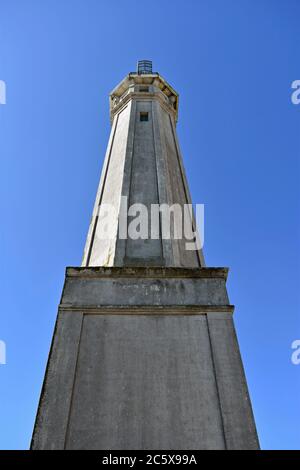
[{"x": 145, "y": 358}]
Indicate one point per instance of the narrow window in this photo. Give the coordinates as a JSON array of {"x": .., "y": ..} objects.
[
  {"x": 144, "y": 116},
  {"x": 144, "y": 89}
]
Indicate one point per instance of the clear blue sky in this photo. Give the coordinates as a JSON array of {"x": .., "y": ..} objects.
[{"x": 233, "y": 63}]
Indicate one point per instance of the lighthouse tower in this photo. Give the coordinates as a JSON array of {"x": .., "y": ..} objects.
[{"x": 144, "y": 352}]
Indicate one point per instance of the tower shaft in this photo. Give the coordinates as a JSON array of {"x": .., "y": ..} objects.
[{"x": 143, "y": 164}]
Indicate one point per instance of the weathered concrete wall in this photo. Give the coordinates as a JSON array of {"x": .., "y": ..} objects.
[
  {"x": 175, "y": 183},
  {"x": 130, "y": 370},
  {"x": 143, "y": 187},
  {"x": 145, "y": 286},
  {"x": 101, "y": 251},
  {"x": 145, "y": 382}
]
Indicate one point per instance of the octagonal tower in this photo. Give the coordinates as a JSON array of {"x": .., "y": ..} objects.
[{"x": 144, "y": 352}]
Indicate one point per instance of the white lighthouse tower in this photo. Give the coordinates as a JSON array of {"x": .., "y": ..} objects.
[{"x": 144, "y": 352}]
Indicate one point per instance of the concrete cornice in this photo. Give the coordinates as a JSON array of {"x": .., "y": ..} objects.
[
  {"x": 148, "y": 310},
  {"x": 143, "y": 79},
  {"x": 146, "y": 272},
  {"x": 157, "y": 82}
]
